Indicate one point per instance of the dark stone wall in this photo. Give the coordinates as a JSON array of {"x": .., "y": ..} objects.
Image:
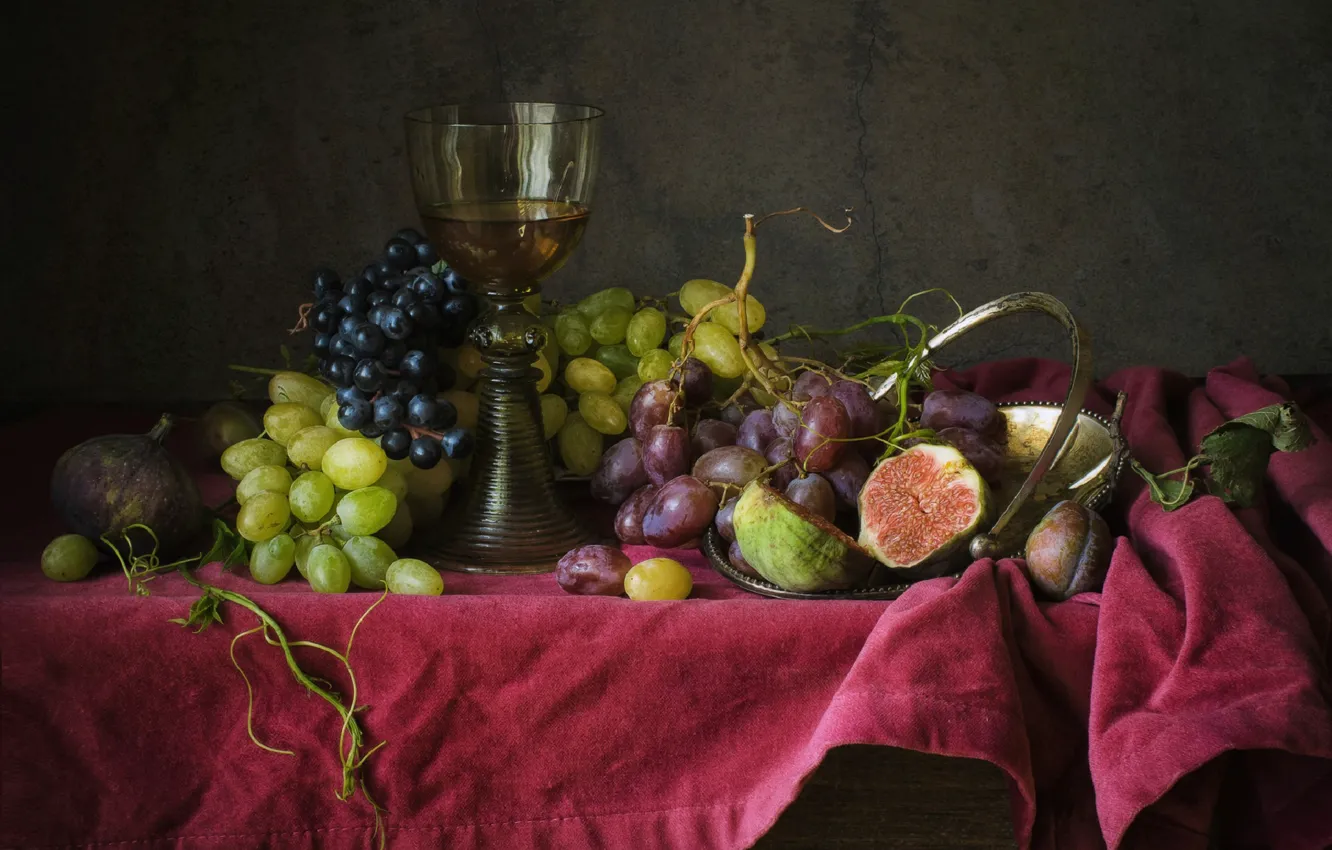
[{"x": 1164, "y": 167}]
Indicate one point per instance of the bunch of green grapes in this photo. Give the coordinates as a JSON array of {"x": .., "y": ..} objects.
[
  {"x": 329, "y": 501},
  {"x": 613, "y": 343}
]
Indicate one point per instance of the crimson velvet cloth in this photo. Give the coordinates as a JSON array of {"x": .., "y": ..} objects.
[{"x": 1193, "y": 689}]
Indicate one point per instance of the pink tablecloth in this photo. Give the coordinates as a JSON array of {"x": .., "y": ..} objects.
[{"x": 519, "y": 716}]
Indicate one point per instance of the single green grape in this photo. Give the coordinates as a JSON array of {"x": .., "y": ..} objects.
[
  {"x": 699, "y": 293},
  {"x": 714, "y": 345},
  {"x": 265, "y": 515},
  {"x": 551, "y": 350},
  {"x": 610, "y": 326},
  {"x": 625, "y": 391},
  {"x": 311, "y": 496},
  {"x": 240, "y": 458},
  {"x": 307, "y": 446},
  {"x": 328, "y": 401},
  {"x": 599, "y": 302},
  {"x": 618, "y": 359},
  {"x": 366, "y": 510},
  {"x": 272, "y": 478},
  {"x": 532, "y": 304},
  {"x": 305, "y": 543},
  {"x": 425, "y": 509},
  {"x": 580, "y": 445},
  {"x": 354, "y": 463},
  {"x": 553, "y": 412},
  {"x": 675, "y": 344},
  {"x": 369, "y": 558},
  {"x": 282, "y": 421},
  {"x": 272, "y": 559},
  {"x": 728, "y": 316},
  {"x": 658, "y": 578},
  {"x": 655, "y": 365},
  {"x": 572, "y": 333},
  {"x": 327, "y": 569},
  {"x": 601, "y": 412},
  {"x": 429, "y": 482},
  {"x": 399, "y": 530},
  {"x": 69, "y": 557},
  {"x": 646, "y": 331},
  {"x": 393, "y": 481},
  {"x": 585, "y": 375},
  {"x": 298, "y": 387},
  {"x": 411, "y": 577}
]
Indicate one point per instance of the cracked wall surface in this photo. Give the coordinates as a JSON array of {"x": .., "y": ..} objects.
[{"x": 1163, "y": 167}]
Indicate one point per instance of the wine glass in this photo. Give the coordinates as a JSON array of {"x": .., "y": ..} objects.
[{"x": 504, "y": 193}]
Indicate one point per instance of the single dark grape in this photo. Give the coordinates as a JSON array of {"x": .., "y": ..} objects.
[
  {"x": 425, "y": 452},
  {"x": 410, "y": 235},
  {"x": 323, "y": 280},
  {"x": 352, "y": 305},
  {"x": 446, "y": 416},
  {"x": 453, "y": 282},
  {"x": 369, "y": 375},
  {"x": 385, "y": 269},
  {"x": 417, "y": 364},
  {"x": 404, "y": 390},
  {"x": 393, "y": 284},
  {"x": 423, "y": 315},
  {"x": 421, "y": 410},
  {"x": 322, "y": 366},
  {"x": 358, "y": 288},
  {"x": 461, "y": 306},
  {"x": 325, "y": 317},
  {"x": 392, "y": 354},
  {"x": 376, "y": 313},
  {"x": 347, "y": 325},
  {"x": 445, "y": 377},
  {"x": 457, "y": 442},
  {"x": 404, "y": 298},
  {"x": 354, "y": 414},
  {"x": 370, "y": 273},
  {"x": 378, "y": 297},
  {"x": 425, "y": 254},
  {"x": 342, "y": 346},
  {"x": 395, "y": 324},
  {"x": 388, "y": 412},
  {"x": 400, "y": 253},
  {"x": 346, "y": 394},
  {"x": 368, "y": 339},
  {"x": 374, "y": 429},
  {"x": 428, "y": 287},
  {"x": 396, "y": 442},
  {"x": 340, "y": 371},
  {"x": 321, "y": 341}
]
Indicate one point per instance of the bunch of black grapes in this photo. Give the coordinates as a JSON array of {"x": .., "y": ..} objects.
[{"x": 378, "y": 337}]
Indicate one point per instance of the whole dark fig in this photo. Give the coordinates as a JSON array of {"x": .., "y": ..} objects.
[
  {"x": 106, "y": 484},
  {"x": 1068, "y": 551}
]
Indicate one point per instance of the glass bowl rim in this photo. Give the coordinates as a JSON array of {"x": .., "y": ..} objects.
[{"x": 422, "y": 115}]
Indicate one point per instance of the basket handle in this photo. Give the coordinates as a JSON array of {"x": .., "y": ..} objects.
[{"x": 985, "y": 545}]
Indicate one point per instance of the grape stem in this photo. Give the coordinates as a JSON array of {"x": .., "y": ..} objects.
[
  {"x": 254, "y": 370},
  {"x": 302, "y": 318}
]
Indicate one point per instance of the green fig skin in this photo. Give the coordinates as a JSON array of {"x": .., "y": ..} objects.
[
  {"x": 106, "y": 484},
  {"x": 1068, "y": 552},
  {"x": 794, "y": 549}
]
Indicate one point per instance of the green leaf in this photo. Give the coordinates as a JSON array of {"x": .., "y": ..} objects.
[
  {"x": 439, "y": 267},
  {"x": 1167, "y": 492},
  {"x": 1238, "y": 450},
  {"x": 286, "y": 355},
  {"x": 228, "y": 546}
]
